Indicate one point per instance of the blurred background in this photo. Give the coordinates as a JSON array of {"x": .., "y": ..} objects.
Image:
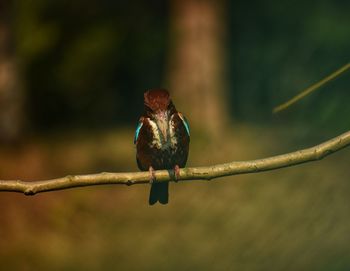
[{"x": 72, "y": 77}]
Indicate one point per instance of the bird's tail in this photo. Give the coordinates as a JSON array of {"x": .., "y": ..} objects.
[{"x": 159, "y": 192}]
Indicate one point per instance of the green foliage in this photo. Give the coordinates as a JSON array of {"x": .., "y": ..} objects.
[
  {"x": 85, "y": 61},
  {"x": 278, "y": 49}
]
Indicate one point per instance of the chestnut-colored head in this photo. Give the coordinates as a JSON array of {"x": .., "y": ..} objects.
[
  {"x": 157, "y": 100},
  {"x": 159, "y": 108}
]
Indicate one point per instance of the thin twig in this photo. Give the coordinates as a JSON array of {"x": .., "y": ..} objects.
[
  {"x": 311, "y": 89},
  {"x": 196, "y": 173}
]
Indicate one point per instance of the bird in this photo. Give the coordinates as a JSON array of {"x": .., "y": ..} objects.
[{"x": 162, "y": 140}]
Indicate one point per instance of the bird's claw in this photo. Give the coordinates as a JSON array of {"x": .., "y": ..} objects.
[
  {"x": 152, "y": 176},
  {"x": 177, "y": 173}
]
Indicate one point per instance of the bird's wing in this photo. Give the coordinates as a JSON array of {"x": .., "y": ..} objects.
[
  {"x": 138, "y": 129},
  {"x": 185, "y": 123}
]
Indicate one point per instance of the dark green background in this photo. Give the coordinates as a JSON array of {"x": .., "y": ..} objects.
[{"x": 87, "y": 63}]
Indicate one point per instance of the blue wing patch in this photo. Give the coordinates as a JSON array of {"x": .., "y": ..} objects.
[
  {"x": 137, "y": 132},
  {"x": 185, "y": 122}
]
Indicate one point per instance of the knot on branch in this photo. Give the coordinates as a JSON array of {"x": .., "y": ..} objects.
[{"x": 29, "y": 192}]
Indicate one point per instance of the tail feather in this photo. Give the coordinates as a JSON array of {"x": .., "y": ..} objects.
[{"x": 159, "y": 192}]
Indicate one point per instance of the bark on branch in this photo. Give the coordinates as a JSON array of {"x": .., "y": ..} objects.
[{"x": 196, "y": 173}]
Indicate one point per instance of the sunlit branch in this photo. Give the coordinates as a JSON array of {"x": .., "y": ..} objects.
[{"x": 196, "y": 173}]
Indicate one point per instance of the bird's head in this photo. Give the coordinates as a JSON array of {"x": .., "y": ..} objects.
[{"x": 159, "y": 108}]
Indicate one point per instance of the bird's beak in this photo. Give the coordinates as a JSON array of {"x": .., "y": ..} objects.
[{"x": 162, "y": 122}]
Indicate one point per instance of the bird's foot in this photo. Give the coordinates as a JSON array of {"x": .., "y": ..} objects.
[
  {"x": 177, "y": 173},
  {"x": 152, "y": 176}
]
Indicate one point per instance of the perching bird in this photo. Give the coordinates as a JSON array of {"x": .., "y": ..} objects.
[{"x": 162, "y": 140}]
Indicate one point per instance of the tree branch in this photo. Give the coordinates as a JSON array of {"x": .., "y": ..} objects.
[{"x": 196, "y": 173}]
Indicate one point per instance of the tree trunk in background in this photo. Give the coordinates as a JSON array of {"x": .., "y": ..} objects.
[
  {"x": 11, "y": 94},
  {"x": 196, "y": 74}
]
